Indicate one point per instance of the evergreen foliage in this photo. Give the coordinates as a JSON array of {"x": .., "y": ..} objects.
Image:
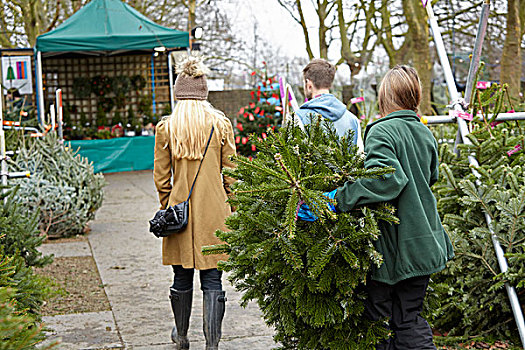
[
  {"x": 30, "y": 290},
  {"x": 21, "y": 291},
  {"x": 19, "y": 233},
  {"x": 21, "y": 296},
  {"x": 471, "y": 287},
  {"x": 62, "y": 187},
  {"x": 261, "y": 113},
  {"x": 19, "y": 109},
  {"x": 19, "y": 239},
  {"x": 117, "y": 118},
  {"x": 305, "y": 276},
  {"x": 18, "y": 330}
]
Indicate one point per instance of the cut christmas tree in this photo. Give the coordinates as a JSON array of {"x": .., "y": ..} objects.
[
  {"x": 22, "y": 292},
  {"x": 63, "y": 188},
  {"x": 305, "y": 276},
  {"x": 471, "y": 287}
]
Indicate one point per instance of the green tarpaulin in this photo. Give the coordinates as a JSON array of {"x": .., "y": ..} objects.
[
  {"x": 109, "y": 25},
  {"x": 119, "y": 154}
]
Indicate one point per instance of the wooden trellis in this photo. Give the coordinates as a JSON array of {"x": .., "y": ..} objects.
[{"x": 61, "y": 72}]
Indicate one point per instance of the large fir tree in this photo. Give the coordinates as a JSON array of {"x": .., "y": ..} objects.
[{"x": 305, "y": 276}]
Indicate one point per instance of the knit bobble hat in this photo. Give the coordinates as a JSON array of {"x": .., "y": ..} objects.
[{"x": 191, "y": 80}]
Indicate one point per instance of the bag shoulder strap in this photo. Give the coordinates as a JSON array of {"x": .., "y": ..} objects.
[{"x": 198, "y": 171}]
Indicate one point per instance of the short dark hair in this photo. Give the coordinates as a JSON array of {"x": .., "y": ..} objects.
[{"x": 320, "y": 72}]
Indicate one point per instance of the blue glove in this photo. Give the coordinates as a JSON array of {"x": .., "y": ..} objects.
[
  {"x": 331, "y": 195},
  {"x": 305, "y": 214}
]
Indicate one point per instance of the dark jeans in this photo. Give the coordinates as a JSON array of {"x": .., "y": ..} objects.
[
  {"x": 402, "y": 304},
  {"x": 183, "y": 279}
]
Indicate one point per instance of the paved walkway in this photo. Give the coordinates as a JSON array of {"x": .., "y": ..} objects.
[{"x": 128, "y": 258}]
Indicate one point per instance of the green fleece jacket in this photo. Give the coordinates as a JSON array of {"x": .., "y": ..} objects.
[{"x": 418, "y": 245}]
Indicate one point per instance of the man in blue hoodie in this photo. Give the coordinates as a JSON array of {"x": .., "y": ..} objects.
[{"x": 318, "y": 77}]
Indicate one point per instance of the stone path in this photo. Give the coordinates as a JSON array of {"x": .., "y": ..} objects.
[{"x": 128, "y": 258}]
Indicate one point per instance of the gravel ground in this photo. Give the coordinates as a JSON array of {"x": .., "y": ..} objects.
[{"x": 79, "y": 284}]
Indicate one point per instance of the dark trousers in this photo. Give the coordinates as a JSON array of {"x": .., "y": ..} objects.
[
  {"x": 401, "y": 304},
  {"x": 183, "y": 279}
]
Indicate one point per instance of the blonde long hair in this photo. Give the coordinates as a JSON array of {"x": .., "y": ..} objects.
[{"x": 189, "y": 127}]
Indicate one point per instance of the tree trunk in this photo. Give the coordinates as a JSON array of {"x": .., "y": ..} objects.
[
  {"x": 192, "y": 7},
  {"x": 346, "y": 52},
  {"x": 360, "y": 59},
  {"x": 511, "y": 55},
  {"x": 385, "y": 35},
  {"x": 417, "y": 36},
  {"x": 323, "y": 29},
  {"x": 305, "y": 29},
  {"x": 33, "y": 25}
]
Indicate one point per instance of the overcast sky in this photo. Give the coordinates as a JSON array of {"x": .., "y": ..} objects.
[
  {"x": 273, "y": 23},
  {"x": 276, "y": 26}
]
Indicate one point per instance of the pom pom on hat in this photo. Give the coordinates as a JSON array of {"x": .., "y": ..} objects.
[
  {"x": 191, "y": 80},
  {"x": 192, "y": 66}
]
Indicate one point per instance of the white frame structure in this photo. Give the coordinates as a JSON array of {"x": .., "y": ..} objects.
[{"x": 458, "y": 104}]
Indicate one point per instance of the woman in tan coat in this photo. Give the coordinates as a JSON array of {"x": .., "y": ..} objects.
[{"x": 180, "y": 142}]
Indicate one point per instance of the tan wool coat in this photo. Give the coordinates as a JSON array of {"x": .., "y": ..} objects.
[{"x": 208, "y": 207}]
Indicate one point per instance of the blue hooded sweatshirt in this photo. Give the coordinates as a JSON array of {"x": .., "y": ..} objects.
[{"x": 334, "y": 110}]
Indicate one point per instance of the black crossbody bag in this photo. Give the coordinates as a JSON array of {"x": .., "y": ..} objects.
[{"x": 174, "y": 219}]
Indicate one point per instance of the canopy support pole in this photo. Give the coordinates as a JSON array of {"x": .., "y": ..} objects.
[
  {"x": 154, "y": 104},
  {"x": 39, "y": 89},
  {"x": 60, "y": 115},
  {"x": 170, "y": 74},
  {"x": 463, "y": 131},
  {"x": 3, "y": 153}
]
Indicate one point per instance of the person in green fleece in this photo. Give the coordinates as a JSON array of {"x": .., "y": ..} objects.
[{"x": 418, "y": 246}]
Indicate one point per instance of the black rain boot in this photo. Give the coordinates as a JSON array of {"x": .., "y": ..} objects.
[
  {"x": 214, "y": 303},
  {"x": 181, "y": 305}
]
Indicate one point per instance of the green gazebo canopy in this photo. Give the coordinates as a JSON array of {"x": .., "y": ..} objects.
[{"x": 109, "y": 25}]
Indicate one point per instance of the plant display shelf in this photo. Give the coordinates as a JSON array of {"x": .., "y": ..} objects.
[{"x": 62, "y": 71}]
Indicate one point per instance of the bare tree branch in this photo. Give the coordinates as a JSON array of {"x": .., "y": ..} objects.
[
  {"x": 55, "y": 19},
  {"x": 305, "y": 29},
  {"x": 285, "y": 6}
]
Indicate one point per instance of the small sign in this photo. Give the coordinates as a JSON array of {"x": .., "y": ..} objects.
[
  {"x": 463, "y": 115},
  {"x": 483, "y": 85},
  {"x": 16, "y": 74},
  {"x": 516, "y": 148},
  {"x": 357, "y": 99}
]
